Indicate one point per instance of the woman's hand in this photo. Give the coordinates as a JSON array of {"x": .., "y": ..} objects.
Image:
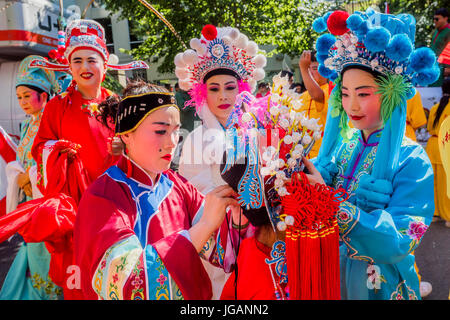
[
  {"x": 314, "y": 175},
  {"x": 71, "y": 152},
  {"x": 216, "y": 203},
  {"x": 24, "y": 183}
]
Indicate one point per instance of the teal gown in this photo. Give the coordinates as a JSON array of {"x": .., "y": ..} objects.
[
  {"x": 380, "y": 230},
  {"x": 27, "y": 278}
]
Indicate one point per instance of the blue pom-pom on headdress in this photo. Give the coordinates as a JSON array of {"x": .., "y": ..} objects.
[
  {"x": 319, "y": 25},
  {"x": 321, "y": 58},
  {"x": 326, "y": 16},
  {"x": 399, "y": 48},
  {"x": 324, "y": 43},
  {"x": 354, "y": 21},
  {"x": 427, "y": 76},
  {"x": 377, "y": 39},
  {"x": 327, "y": 73},
  {"x": 422, "y": 59}
]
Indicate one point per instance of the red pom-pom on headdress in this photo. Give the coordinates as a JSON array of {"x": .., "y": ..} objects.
[
  {"x": 209, "y": 32},
  {"x": 337, "y": 22}
]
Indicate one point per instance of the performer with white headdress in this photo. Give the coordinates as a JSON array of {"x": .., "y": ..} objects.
[{"x": 220, "y": 64}]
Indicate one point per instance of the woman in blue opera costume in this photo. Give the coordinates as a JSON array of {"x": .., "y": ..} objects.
[
  {"x": 141, "y": 228},
  {"x": 388, "y": 177}
]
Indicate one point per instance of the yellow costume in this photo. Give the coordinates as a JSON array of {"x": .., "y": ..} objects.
[
  {"x": 441, "y": 201},
  {"x": 415, "y": 116},
  {"x": 311, "y": 107}
]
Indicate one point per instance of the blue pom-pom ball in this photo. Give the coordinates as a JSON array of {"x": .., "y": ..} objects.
[
  {"x": 321, "y": 58},
  {"x": 362, "y": 29},
  {"x": 324, "y": 71},
  {"x": 354, "y": 21},
  {"x": 326, "y": 16},
  {"x": 422, "y": 59},
  {"x": 324, "y": 43},
  {"x": 427, "y": 76},
  {"x": 377, "y": 39},
  {"x": 399, "y": 48},
  {"x": 319, "y": 25}
]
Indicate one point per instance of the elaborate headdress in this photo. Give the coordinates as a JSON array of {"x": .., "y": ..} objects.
[
  {"x": 83, "y": 34},
  {"x": 36, "y": 77},
  {"x": 379, "y": 42},
  {"x": 266, "y": 141},
  {"x": 219, "y": 50}
]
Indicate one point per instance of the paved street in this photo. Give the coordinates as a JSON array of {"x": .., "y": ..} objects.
[{"x": 433, "y": 258}]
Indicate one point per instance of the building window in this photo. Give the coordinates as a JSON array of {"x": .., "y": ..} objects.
[
  {"x": 135, "y": 40},
  {"x": 106, "y": 24}
]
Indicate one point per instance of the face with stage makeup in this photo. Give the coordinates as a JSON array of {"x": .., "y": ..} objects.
[
  {"x": 88, "y": 68},
  {"x": 361, "y": 101},
  {"x": 222, "y": 90},
  {"x": 152, "y": 144},
  {"x": 31, "y": 101}
]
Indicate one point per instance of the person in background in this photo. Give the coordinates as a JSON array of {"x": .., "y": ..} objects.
[
  {"x": 415, "y": 116},
  {"x": 298, "y": 87},
  {"x": 263, "y": 90},
  {"x": 214, "y": 90},
  {"x": 28, "y": 277},
  {"x": 438, "y": 113},
  {"x": 290, "y": 76},
  {"x": 315, "y": 98},
  {"x": 440, "y": 38}
]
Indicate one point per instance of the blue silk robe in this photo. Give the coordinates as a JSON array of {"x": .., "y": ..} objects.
[{"x": 377, "y": 240}]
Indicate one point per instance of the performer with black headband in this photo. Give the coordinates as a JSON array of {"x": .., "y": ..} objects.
[{"x": 141, "y": 228}]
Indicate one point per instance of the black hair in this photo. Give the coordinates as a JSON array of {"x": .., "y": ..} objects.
[
  {"x": 443, "y": 102},
  {"x": 38, "y": 90},
  {"x": 262, "y": 85},
  {"x": 313, "y": 56},
  {"x": 288, "y": 73},
  {"x": 374, "y": 73},
  {"x": 441, "y": 12},
  {"x": 109, "y": 107},
  {"x": 220, "y": 71}
]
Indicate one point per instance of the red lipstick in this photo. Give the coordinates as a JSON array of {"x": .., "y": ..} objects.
[
  {"x": 356, "y": 118},
  {"x": 224, "y": 106},
  {"x": 167, "y": 157}
]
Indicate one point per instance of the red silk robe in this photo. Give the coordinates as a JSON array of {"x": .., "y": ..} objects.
[
  {"x": 71, "y": 118},
  {"x": 257, "y": 275},
  {"x": 131, "y": 237}
]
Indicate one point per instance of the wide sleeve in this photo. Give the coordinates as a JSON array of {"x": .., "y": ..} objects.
[
  {"x": 116, "y": 265},
  {"x": 388, "y": 235},
  {"x": 48, "y": 134}
]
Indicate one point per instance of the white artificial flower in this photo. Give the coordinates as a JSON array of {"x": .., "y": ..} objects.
[
  {"x": 289, "y": 220},
  {"x": 287, "y": 139},
  {"x": 246, "y": 117},
  {"x": 274, "y": 111},
  {"x": 306, "y": 139}
]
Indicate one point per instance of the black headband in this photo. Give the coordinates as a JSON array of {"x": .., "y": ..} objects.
[{"x": 134, "y": 109}]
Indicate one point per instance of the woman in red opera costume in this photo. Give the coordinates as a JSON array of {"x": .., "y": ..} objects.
[
  {"x": 71, "y": 148},
  {"x": 150, "y": 226}
]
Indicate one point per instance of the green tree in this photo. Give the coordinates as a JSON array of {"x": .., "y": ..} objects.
[{"x": 286, "y": 24}]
